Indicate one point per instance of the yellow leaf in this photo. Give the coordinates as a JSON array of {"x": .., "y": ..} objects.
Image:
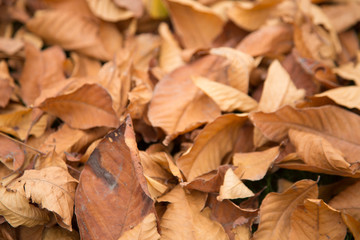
[
  {"x": 156, "y": 9},
  {"x": 277, "y": 208},
  {"x": 226, "y": 97}
]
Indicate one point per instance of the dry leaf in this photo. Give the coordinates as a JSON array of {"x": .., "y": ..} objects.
[
  {"x": 342, "y": 15},
  {"x": 183, "y": 219},
  {"x": 345, "y": 96},
  {"x": 6, "y": 84},
  {"x": 226, "y": 97},
  {"x": 11, "y": 154},
  {"x": 86, "y": 107},
  {"x": 277, "y": 208},
  {"x": 39, "y": 185},
  {"x": 347, "y": 201},
  {"x": 254, "y": 165},
  {"x": 135, "y": 6},
  {"x": 352, "y": 224},
  {"x": 178, "y": 105},
  {"x": 196, "y": 25},
  {"x": 146, "y": 230},
  {"x": 316, "y": 220},
  {"x": 233, "y": 187},
  {"x": 113, "y": 170},
  {"x": 319, "y": 155},
  {"x": 107, "y": 10},
  {"x": 18, "y": 211},
  {"x": 213, "y": 143},
  {"x": 322, "y": 121},
  {"x": 349, "y": 71}
]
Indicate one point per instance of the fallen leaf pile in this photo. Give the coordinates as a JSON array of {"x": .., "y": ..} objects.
[{"x": 179, "y": 119}]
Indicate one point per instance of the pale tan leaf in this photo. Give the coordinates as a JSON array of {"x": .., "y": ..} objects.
[
  {"x": 241, "y": 64},
  {"x": 279, "y": 90},
  {"x": 349, "y": 71},
  {"x": 52, "y": 188},
  {"x": 155, "y": 187},
  {"x": 345, "y": 96},
  {"x": 170, "y": 51},
  {"x": 319, "y": 154},
  {"x": 352, "y": 224},
  {"x": 347, "y": 201},
  {"x": 86, "y": 107},
  {"x": 215, "y": 141},
  {"x": 334, "y": 124},
  {"x": 277, "y": 208},
  {"x": 18, "y": 211},
  {"x": 254, "y": 165},
  {"x": 316, "y": 220},
  {"x": 252, "y": 15},
  {"x": 10, "y": 46},
  {"x": 183, "y": 218},
  {"x": 146, "y": 230},
  {"x": 226, "y": 97},
  {"x": 196, "y": 25},
  {"x": 178, "y": 105},
  {"x": 135, "y": 6},
  {"x": 343, "y": 15},
  {"x": 241, "y": 232},
  {"x": 233, "y": 187},
  {"x": 107, "y": 10}
]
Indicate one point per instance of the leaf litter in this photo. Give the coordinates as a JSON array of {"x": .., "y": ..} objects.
[{"x": 179, "y": 119}]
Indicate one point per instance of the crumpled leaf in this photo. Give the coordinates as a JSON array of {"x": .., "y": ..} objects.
[
  {"x": 316, "y": 220},
  {"x": 196, "y": 25},
  {"x": 213, "y": 143},
  {"x": 233, "y": 187},
  {"x": 277, "y": 208},
  {"x": 18, "y": 211},
  {"x": 226, "y": 97},
  {"x": 322, "y": 121},
  {"x": 107, "y": 10},
  {"x": 113, "y": 170},
  {"x": 183, "y": 218},
  {"x": 52, "y": 188},
  {"x": 79, "y": 110}
]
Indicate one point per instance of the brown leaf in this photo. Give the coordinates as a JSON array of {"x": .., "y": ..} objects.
[
  {"x": 57, "y": 232},
  {"x": 178, "y": 105},
  {"x": 81, "y": 32},
  {"x": 226, "y": 97},
  {"x": 183, "y": 218},
  {"x": 352, "y": 224},
  {"x": 7, "y": 84},
  {"x": 136, "y": 6},
  {"x": 10, "y": 46},
  {"x": 349, "y": 71},
  {"x": 347, "y": 201},
  {"x": 319, "y": 155},
  {"x": 268, "y": 40},
  {"x": 332, "y": 123},
  {"x": 342, "y": 15},
  {"x": 84, "y": 66},
  {"x": 107, "y": 10},
  {"x": 254, "y": 165},
  {"x": 11, "y": 154},
  {"x": 41, "y": 69},
  {"x": 86, "y": 107},
  {"x": 316, "y": 220},
  {"x": 18, "y": 211},
  {"x": 196, "y": 25},
  {"x": 229, "y": 215},
  {"x": 213, "y": 143},
  {"x": 39, "y": 185},
  {"x": 113, "y": 170},
  {"x": 277, "y": 208}
]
